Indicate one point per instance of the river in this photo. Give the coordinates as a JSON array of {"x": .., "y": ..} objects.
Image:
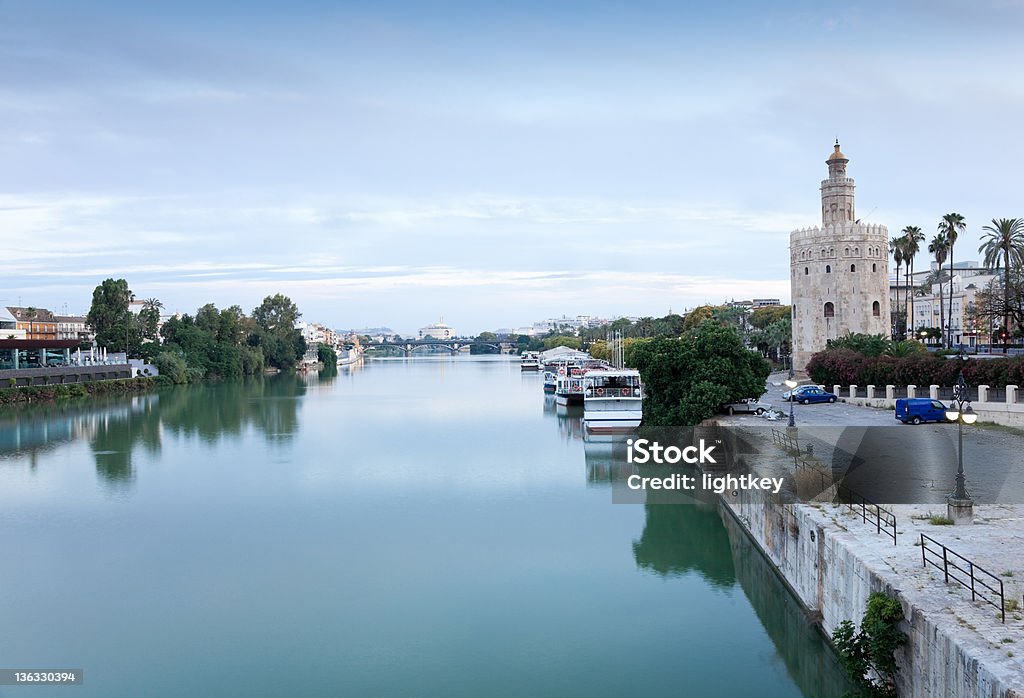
[{"x": 409, "y": 527}]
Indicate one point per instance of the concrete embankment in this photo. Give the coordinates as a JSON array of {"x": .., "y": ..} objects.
[{"x": 832, "y": 562}]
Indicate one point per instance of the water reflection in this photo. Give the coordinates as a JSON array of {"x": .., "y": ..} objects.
[
  {"x": 799, "y": 643},
  {"x": 116, "y": 428},
  {"x": 682, "y": 538}
]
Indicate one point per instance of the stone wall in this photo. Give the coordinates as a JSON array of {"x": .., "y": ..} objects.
[{"x": 822, "y": 566}]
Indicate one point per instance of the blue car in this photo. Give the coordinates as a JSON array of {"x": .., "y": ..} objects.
[{"x": 814, "y": 394}]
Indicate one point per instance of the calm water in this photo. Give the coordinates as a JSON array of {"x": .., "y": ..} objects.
[{"x": 427, "y": 526}]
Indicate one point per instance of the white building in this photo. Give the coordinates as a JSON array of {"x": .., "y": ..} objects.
[
  {"x": 437, "y": 330},
  {"x": 9, "y": 326},
  {"x": 839, "y": 274}
]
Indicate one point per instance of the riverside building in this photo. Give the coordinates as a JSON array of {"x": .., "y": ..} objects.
[{"x": 839, "y": 276}]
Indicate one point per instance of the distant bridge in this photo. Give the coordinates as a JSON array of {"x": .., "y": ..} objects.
[{"x": 453, "y": 345}]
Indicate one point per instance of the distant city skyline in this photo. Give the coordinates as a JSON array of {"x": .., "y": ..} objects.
[{"x": 387, "y": 164}]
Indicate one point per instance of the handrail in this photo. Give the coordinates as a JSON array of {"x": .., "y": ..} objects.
[
  {"x": 801, "y": 464},
  {"x": 785, "y": 440},
  {"x": 977, "y": 575},
  {"x": 881, "y": 514}
]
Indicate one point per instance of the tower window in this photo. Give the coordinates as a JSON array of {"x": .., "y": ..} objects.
[
  {"x": 828, "y": 268},
  {"x": 876, "y": 309},
  {"x": 807, "y": 271},
  {"x": 830, "y": 310},
  {"x": 853, "y": 267},
  {"x": 874, "y": 267}
]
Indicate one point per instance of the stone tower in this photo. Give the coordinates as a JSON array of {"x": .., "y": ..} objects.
[{"x": 839, "y": 276}]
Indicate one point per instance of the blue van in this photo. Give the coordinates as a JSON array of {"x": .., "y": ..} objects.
[{"x": 920, "y": 409}]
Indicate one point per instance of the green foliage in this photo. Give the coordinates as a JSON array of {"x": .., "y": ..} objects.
[
  {"x": 600, "y": 350},
  {"x": 53, "y": 393},
  {"x": 220, "y": 343},
  {"x": 172, "y": 366},
  {"x": 872, "y": 648},
  {"x": 905, "y": 347},
  {"x": 562, "y": 340},
  {"x": 763, "y": 317},
  {"x": 275, "y": 332},
  {"x": 109, "y": 316},
  {"x": 687, "y": 379},
  {"x": 864, "y": 344},
  {"x": 326, "y": 355}
]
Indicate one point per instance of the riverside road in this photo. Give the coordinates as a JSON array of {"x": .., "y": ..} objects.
[{"x": 890, "y": 462}]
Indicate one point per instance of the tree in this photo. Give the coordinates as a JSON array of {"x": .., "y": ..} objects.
[
  {"x": 275, "y": 332},
  {"x": 689, "y": 378},
  {"x": 1003, "y": 245},
  {"x": 952, "y": 225},
  {"x": 562, "y": 340},
  {"x": 109, "y": 316},
  {"x": 914, "y": 237},
  {"x": 149, "y": 318},
  {"x": 896, "y": 250},
  {"x": 939, "y": 246},
  {"x": 762, "y": 317},
  {"x": 697, "y": 316}
]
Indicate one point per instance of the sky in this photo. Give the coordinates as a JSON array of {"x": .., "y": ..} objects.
[{"x": 389, "y": 163}]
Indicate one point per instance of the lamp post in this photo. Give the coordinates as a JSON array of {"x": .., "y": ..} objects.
[
  {"x": 791, "y": 384},
  {"x": 959, "y": 504}
]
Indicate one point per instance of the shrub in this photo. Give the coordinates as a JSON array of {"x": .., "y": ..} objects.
[
  {"x": 172, "y": 366},
  {"x": 873, "y": 647}
]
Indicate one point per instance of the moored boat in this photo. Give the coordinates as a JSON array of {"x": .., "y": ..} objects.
[
  {"x": 612, "y": 401},
  {"x": 530, "y": 361}
]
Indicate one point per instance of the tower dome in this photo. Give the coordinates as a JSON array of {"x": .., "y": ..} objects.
[{"x": 837, "y": 154}]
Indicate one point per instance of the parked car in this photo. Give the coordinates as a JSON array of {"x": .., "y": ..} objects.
[
  {"x": 920, "y": 409},
  {"x": 788, "y": 395},
  {"x": 813, "y": 394},
  {"x": 750, "y": 405}
]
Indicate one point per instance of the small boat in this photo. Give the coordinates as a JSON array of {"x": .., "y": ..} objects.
[
  {"x": 612, "y": 401},
  {"x": 530, "y": 361}
]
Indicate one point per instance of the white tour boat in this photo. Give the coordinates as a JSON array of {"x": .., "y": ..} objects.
[
  {"x": 530, "y": 361},
  {"x": 612, "y": 401}
]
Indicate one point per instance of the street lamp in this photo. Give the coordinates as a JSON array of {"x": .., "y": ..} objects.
[
  {"x": 791, "y": 384},
  {"x": 959, "y": 503}
]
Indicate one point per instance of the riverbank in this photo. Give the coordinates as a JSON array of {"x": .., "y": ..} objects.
[
  {"x": 35, "y": 394},
  {"x": 833, "y": 560}
]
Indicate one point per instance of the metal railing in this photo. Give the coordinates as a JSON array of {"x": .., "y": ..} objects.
[
  {"x": 983, "y": 584},
  {"x": 801, "y": 464},
  {"x": 785, "y": 440},
  {"x": 884, "y": 520}
]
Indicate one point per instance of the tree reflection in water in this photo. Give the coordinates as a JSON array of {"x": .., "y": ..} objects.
[{"x": 115, "y": 427}]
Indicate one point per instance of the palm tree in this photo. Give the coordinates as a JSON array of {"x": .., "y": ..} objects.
[
  {"x": 914, "y": 237},
  {"x": 1004, "y": 238},
  {"x": 896, "y": 249},
  {"x": 908, "y": 296},
  {"x": 939, "y": 246},
  {"x": 952, "y": 225}
]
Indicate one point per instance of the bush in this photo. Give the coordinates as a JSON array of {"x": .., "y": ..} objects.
[
  {"x": 873, "y": 647},
  {"x": 172, "y": 366},
  {"x": 847, "y": 367}
]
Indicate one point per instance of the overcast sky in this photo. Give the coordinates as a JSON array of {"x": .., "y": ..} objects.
[{"x": 389, "y": 163}]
